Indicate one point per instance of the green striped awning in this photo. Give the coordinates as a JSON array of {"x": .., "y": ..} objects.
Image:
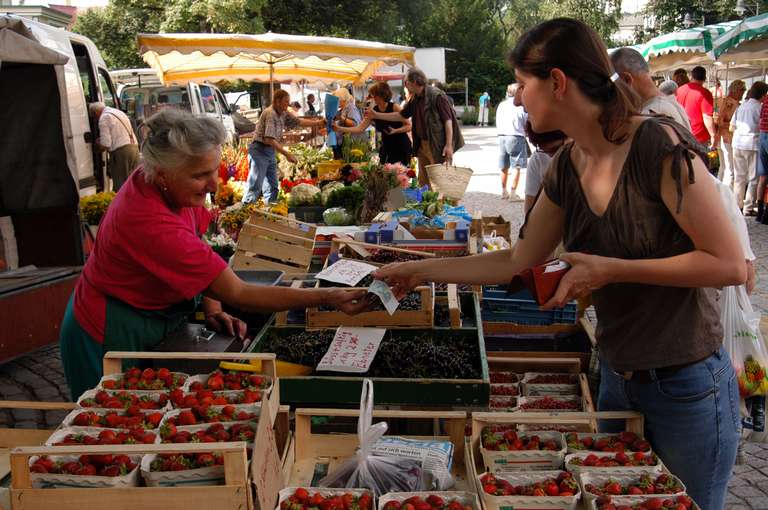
[{"x": 747, "y": 30}]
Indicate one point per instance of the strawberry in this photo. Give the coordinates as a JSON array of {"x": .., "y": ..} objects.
[
  {"x": 215, "y": 383},
  {"x": 552, "y": 489},
  {"x": 613, "y": 488},
  {"x": 38, "y": 468},
  {"x": 392, "y": 505},
  {"x": 186, "y": 418}
]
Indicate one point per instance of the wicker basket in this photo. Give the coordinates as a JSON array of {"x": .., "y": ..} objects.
[{"x": 450, "y": 181}]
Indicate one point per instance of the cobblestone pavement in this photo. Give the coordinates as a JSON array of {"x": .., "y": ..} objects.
[{"x": 39, "y": 376}]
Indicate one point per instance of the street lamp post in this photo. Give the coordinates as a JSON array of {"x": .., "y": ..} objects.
[{"x": 741, "y": 8}]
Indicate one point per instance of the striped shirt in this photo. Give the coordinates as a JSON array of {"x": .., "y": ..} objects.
[{"x": 764, "y": 116}]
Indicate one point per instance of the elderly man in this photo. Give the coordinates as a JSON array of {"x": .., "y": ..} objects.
[
  {"x": 117, "y": 138},
  {"x": 633, "y": 69},
  {"x": 436, "y": 134},
  {"x": 510, "y": 132},
  {"x": 266, "y": 142}
]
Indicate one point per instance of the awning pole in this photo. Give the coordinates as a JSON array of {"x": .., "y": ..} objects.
[{"x": 271, "y": 82}]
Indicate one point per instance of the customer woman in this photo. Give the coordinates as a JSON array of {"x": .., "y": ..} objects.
[
  {"x": 348, "y": 115},
  {"x": 149, "y": 267},
  {"x": 395, "y": 144},
  {"x": 647, "y": 236},
  {"x": 726, "y": 106}
]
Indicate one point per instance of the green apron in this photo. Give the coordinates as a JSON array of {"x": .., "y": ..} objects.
[{"x": 126, "y": 329}]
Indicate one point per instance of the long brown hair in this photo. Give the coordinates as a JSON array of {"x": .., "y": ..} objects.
[{"x": 574, "y": 48}]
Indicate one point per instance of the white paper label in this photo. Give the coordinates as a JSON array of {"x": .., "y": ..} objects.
[
  {"x": 557, "y": 265},
  {"x": 388, "y": 299},
  {"x": 352, "y": 350},
  {"x": 346, "y": 272}
]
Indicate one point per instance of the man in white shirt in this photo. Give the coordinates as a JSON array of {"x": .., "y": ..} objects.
[
  {"x": 116, "y": 137},
  {"x": 510, "y": 131},
  {"x": 745, "y": 126},
  {"x": 633, "y": 69}
]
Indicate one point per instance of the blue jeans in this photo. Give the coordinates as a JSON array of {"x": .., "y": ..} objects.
[
  {"x": 262, "y": 174},
  {"x": 691, "y": 419},
  {"x": 762, "y": 156},
  {"x": 513, "y": 151}
]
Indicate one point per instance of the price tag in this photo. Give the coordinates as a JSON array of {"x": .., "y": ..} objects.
[
  {"x": 352, "y": 350},
  {"x": 556, "y": 265},
  {"x": 346, "y": 272},
  {"x": 388, "y": 299}
]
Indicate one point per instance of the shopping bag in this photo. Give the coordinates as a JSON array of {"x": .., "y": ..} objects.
[
  {"x": 743, "y": 341},
  {"x": 380, "y": 474}
]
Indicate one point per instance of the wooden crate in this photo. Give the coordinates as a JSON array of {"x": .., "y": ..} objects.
[
  {"x": 323, "y": 452},
  {"x": 401, "y": 319},
  {"x": 474, "y": 461},
  {"x": 113, "y": 364},
  {"x": 274, "y": 242}
]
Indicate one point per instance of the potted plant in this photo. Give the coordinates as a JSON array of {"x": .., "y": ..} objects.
[{"x": 93, "y": 208}]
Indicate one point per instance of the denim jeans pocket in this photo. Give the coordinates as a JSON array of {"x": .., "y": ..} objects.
[{"x": 690, "y": 384}]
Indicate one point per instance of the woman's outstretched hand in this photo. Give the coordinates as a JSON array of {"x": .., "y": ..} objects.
[
  {"x": 402, "y": 277},
  {"x": 587, "y": 273}
]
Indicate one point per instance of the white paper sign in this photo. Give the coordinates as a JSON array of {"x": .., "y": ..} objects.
[
  {"x": 346, "y": 272},
  {"x": 352, "y": 350},
  {"x": 556, "y": 265},
  {"x": 388, "y": 299}
]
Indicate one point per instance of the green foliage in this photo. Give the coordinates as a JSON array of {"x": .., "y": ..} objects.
[
  {"x": 602, "y": 15},
  {"x": 669, "y": 14},
  {"x": 349, "y": 197}
]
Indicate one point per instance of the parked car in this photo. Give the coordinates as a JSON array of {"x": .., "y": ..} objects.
[{"x": 142, "y": 94}]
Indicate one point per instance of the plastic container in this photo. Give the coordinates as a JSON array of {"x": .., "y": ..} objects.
[
  {"x": 528, "y": 502},
  {"x": 526, "y": 460},
  {"x": 521, "y": 308}
]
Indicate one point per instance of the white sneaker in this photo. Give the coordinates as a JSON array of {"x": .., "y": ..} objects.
[{"x": 504, "y": 194}]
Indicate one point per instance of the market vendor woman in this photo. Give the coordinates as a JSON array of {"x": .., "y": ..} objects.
[
  {"x": 149, "y": 266},
  {"x": 647, "y": 235}
]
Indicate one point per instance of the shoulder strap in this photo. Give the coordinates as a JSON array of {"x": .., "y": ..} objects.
[{"x": 127, "y": 128}]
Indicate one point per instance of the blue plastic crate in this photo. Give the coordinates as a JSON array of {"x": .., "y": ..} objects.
[{"x": 521, "y": 308}]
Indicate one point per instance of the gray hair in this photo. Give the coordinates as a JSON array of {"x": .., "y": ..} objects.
[
  {"x": 512, "y": 89},
  {"x": 96, "y": 107},
  {"x": 175, "y": 137},
  {"x": 668, "y": 87},
  {"x": 629, "y": 60},
  {"x": 417, "y": 76}
]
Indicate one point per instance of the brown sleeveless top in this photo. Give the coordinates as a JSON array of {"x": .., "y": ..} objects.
[{"x": 640, "y": 326}]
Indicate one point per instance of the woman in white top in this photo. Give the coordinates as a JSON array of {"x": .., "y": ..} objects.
[{"x": 745, "y": 126}]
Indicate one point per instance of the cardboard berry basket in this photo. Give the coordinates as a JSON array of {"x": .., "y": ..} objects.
[
  {"x": 504, "y": 377},
  {"x": 212, "y": 475},
  {"x": 154, "y": 395},
  {"x": 312, "y": 453},
  {"x": 633, "y": 500},
  {"x": 501, "y": 403},
  {"x": 579, "y": 401},
  {"x": 466, "y": 499},
  {"x": 233, "y": 397},
  {"x": 505, "y": 389},
  {"x": 473, "y": 459},
  {"x": 69, "y": 420},
  {"x": 526, "y": 460},
  {"x": 287, "y": 492},
  {"x": 65, "y": 480},
  {"x": 59, "y": 435},
  {"x": 203, "y": 378},
  {"x": 523, "y": 478},
  {"x": 530, "y": 389},
  {"x": 116, "y": 376},
  {"x": 599, "y": 479},
  {"x": 201, "y": 425},
  {"x": 595, "y": 437},
  {"x": 577, "y": 469}
]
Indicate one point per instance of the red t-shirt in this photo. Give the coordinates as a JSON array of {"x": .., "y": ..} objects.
[
  {"x": 697, "y": 102},
  {"x": 764, "y": 116},
  {"x": 146, "y": 255}
]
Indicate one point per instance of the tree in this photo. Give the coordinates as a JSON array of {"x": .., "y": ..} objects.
[{"x": 602, "y": 15}]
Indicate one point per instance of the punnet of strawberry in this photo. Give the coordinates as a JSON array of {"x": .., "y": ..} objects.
[
  {"x": 645, "y": 484},
  {"x": 430, "y": 502},
  {"x": 507, "y": 439},
  {"x": 210, "y": 414},
  {"x": 216, "y": 433},
  {"x": 552, "y": 379},
  {"x": 85, "y": 465},
  {"x": 303, "y": 499},
  {"x": 124, "y": 400},
  {"x": 179, "y": 399},
  {"x": 148, "y": 379},
  {"x": 552, "y": 403},
  {"x": 681, "y": 502},
  {"x": 564, "y": 485},
  {"x": 131, "y": 418},
  {"x": 503, "y": 377},
  {"x": 185, "y": 461},
  {"x": 623, "y": 441},
  {"x": 620, "y": 459},
  {"x": 221, "y": 380},
  {"x": 108, "y": 436},
  {"x": 505, "y": 389}
]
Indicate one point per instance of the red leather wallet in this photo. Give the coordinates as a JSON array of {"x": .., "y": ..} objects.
[{"x": 541, "y": 281}]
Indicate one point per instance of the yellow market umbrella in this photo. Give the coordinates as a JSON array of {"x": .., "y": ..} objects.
[{"x": 180, "y": 58}]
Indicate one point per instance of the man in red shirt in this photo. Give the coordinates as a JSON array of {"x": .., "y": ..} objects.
[{"x": 698, "y": 104}]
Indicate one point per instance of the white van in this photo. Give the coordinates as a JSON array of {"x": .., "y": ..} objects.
[
  {"x": 142, "y": 94},
  {"x": 86, "y": 80}
]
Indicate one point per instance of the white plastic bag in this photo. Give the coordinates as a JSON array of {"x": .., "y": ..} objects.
[
  {"x": 493, "y": 242},
  {"x": 743, "y": 341},
  {"x": 366, "y": 471}
]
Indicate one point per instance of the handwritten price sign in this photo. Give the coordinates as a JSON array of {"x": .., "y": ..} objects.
[
  {"x": 352, "y": 350},
  {"x": 346, "y": 272}
]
